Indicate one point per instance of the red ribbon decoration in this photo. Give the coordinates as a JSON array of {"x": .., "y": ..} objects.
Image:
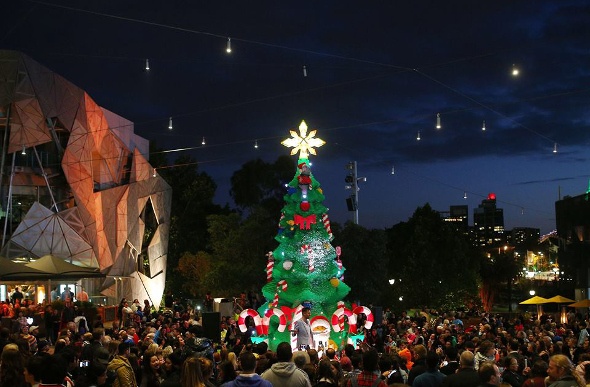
[{"x": 304, "y": 222}]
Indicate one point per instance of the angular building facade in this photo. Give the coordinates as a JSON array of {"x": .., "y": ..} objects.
[{"x": 76, "y": 183}]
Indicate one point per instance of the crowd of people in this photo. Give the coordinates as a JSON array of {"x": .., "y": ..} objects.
[{"x": 148, "y": 348}]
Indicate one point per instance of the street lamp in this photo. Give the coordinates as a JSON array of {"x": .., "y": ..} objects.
[{"x": 352, "y": 181}]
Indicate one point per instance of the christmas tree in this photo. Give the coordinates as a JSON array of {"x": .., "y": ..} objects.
[{"x": 305, "y": 269}]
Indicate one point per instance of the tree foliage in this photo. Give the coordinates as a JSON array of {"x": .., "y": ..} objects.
[
  {"x": 195, "y": 270},
  {"x": 430, "y": 260},
  {"x": 365, "y": 257}
]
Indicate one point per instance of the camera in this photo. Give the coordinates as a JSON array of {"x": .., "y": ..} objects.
[{"x": 83, "y": 363}]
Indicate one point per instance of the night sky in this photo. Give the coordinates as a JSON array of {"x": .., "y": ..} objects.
[{"x": 378, "y": 72}]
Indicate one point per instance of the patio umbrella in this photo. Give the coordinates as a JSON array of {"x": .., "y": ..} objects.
[
  {"x": 560, "y": 300},
  {"x": 536, "y": 300},
  {"x": 12, "y": 271},
  {"x": 58, "y": 268},
  {"x": 581, "y": 304}
]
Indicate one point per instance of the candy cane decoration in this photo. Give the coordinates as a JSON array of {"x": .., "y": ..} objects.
[
  {"x": 341, "y": 312},
  {"x": 363, "y": 309},
  {"x": 257, "y": 320},
  {"x": 269, "y": 266},
  {"x": 274, "y": 312},
  {"x": 339, "y": 262},
  {"x": 307, "y": 249},
  {"x": 282, "y": 284},
  {"x": 326, "y": 222}
]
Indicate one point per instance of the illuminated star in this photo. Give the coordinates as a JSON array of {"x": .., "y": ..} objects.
[{"x": 303, "y": 142}]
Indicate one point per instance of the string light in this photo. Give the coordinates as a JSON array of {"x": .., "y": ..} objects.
[
  {"x": 304, "y": 71},
  {"x": 154, "y": 173},
  {"x": 228, "y": 46},
  {"x": 147, "y": 65},
  {"x": 483, "y": 126},
  {"x": 515, "y": 71},
  {"x": 464, "y": 194},
  {"x": 170, "y": 123},
  {"x": 438, "y": 121},
  {"x": 255, "y": 144},
  {"x": 555, "y": 148},
  {"x": 418, "y": 136},
  {"x": 24, "y": 152},
  {"x": 203, "y": 141},
  {"x": 393, "y": 170}
]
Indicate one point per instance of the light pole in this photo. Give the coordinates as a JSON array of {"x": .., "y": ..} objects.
[{"x": 352, "y": 181}]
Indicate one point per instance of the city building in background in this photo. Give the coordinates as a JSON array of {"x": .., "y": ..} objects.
[
  {"x": 76, "y": 183},
  {"x": 488, "y": 223},
  {"x": 572, "y": 217}
]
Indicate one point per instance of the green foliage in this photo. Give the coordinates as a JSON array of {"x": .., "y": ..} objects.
[
  {"x": 365, "y": 256},
  {"x": 430, "y": 261}
]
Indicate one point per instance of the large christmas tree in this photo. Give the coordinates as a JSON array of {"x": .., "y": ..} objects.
[{"x": 305, "y": 269}]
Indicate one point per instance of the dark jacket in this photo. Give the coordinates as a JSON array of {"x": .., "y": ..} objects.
[{"x": 465, "y": 377}]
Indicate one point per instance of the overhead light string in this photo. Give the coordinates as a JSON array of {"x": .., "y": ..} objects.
[
  {"x": 228, "y": 46},
  {"x": 170, "y": 127},
  {"x": 483, "y": 126},
  {"x": 438, "y": 121}
]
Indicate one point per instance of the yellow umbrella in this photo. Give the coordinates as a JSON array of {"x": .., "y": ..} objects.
[
  {"x": 560, "y": 300},
  {"x": 581, "y": 304},
  {"x": 536, "y": 300}
]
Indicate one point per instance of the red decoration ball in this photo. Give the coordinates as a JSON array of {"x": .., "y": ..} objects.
[{"x": 304, "y": 206}]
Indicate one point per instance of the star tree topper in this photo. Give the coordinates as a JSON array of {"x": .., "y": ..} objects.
[{"x": 303, "y": 142}]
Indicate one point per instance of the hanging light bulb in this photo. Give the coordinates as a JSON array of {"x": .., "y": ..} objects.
[
  {"x": 170, "y": 123},
  {"x": 515, "y": 71},
  {"x": 521, "y": 210},
  {"x": 154, "y": 172},
  {"x": 418, "y": 136},
  {"x": 304, "y": 71},
  {"x": 393, "y": 170},
  {"x": 203, "y": 141},
  {"x": 438, "y": 121},
  {"x": 255, "y": 144},
  {"x": 483, "y": 126},
  {"x": 555, "y": 148},
  {"x": 24, "y": 152},
  {"x": 228, "y": 46},
  {"x": 147, "y": 65},
  {"x": 464, "y": 194}
]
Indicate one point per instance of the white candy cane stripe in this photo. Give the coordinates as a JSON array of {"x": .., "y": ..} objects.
[
  {"x": 363, "y": 309},
  {"x": 269, "y": 268},
  {"x": 326, "y": 222},
  {"x": 283, "y": 285},
  {"x": 275, "y": 312},
  {"x": 257, "y": 320},
  {"x": 341, "y": 312}
]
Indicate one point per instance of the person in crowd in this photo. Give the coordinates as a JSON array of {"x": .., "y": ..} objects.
[
  {"x": 489, "y": 374},
  {"x": 33, "y": 370},
  {"x": 327, "y": 375},
  {"x": 369, "y": 375},
  {"x": 82, "y": 295},
  {"x": 419, "y": 366},
  {"x": 537, "y": 375},
  {"x": 17, "y": 296},
  {"x": 248, "y": 377},
  {"x": 121, "y": 367},
  {"x": 151, "y": 373},
  {"x": 432, "y": 377},
  {"x": 511, "y": 374},
  {"x": 191, "y": 375},
  {"x": 561, "y": 373},
  {"x": 226, "y": 372},
  {"x": 173, "y": 367},
  {"x": 485, "y": 352},
  {"x": 302, "y": 329},
  {"x": 284, "y": 372},
  {"x": 466, "y": 375},
  {"x": 12, "y": 367},
  {"x": 67, "y": 294},
  {"x": 207, "y": 371}
]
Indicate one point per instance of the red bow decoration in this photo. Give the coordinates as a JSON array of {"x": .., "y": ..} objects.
[
  {"x": 288, "y": 312},
  {"x": 304, "y": 222}
]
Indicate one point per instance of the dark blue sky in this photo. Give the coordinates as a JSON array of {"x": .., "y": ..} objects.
[{"x": 377, "y": 74}]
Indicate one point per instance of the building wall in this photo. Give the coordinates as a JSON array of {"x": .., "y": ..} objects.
[{"x": 84, "y": 190}]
